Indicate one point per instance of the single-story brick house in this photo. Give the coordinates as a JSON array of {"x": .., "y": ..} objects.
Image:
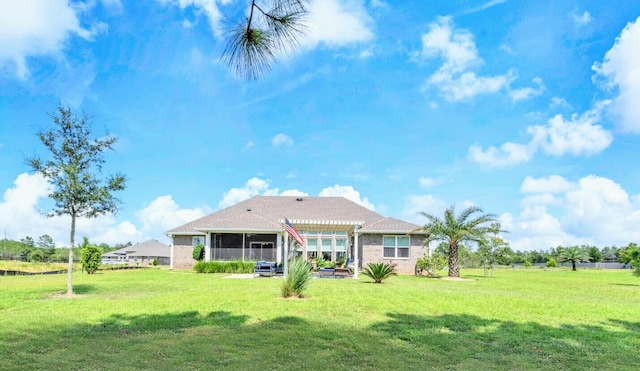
[
  {"x": 143, "y": 253},
  {"x": 330, "y": 226}
]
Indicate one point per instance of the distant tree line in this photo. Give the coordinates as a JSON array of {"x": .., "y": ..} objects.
[
  {"x": 504, "y": 255},
  {"x": 44, "y": 249}
]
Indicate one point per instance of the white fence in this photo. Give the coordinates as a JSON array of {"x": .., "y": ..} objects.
[{"x": 587, "y": 265}]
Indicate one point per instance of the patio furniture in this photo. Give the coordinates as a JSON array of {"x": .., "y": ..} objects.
[
  {"x": 337, "y": 272},
  {"x": 265, "y": 269}
]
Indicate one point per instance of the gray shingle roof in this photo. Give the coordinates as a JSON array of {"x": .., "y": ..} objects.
[
  {"x": 147, "y": 248},
  {"x": 265, "y": 213}
]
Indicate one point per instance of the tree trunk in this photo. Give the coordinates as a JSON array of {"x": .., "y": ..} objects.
[
  {"x": 70, "y": 267},
  {"x": 454, "y": 270},
  {"x": 573, "y": 265}
]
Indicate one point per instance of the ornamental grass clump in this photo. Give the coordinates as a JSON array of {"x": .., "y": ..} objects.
[
  {"x": 379, "y": 271},
  {"x": 297, "y": 280}
]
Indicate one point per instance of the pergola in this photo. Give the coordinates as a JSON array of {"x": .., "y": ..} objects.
[{"x": 348, "y": 226}]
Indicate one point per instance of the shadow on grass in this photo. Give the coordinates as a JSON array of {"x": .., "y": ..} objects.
[
  {"x": 627, "y": 284},
  {"x": 83, "y": 289},
  {"x": 631, "y": 326},
  {"x": 223, "y": 340}
]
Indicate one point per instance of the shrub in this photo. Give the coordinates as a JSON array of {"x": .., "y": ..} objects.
[
  {"x": 527, "y": 264},
  {"x": 551, "y": 263},
  {"x": 298, "y": 278},
  {"x": 155, "y": 262},
  {"x": 320, "y": 262},
  {"x": 431, "y": 264},
  {"x": 91, "y": 258},
  {"x": 379, "y": 271},
  {"x": 198, "y": 252},
  {"x": 236, "y": 266}
]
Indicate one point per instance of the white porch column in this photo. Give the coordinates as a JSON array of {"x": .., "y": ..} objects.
[
  {"x": 285, "y": 265},
  {"x": 171, "y": 257},
  {"x": 243, "y": 243},
  {"x": 279, "y": 248},
  {"x": 207, "y": 247},
  {"x": 355, "y": 252}
]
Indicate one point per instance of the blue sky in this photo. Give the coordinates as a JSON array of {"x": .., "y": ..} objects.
[{"x": 528, "y": 109}]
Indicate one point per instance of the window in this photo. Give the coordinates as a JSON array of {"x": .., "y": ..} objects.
[
  {"x": 197, "y": 240},
  {"x": 326, "y": 249},
  {"x": 312, "y": 248},
  {"x": 341, "y": 248},
  {"x": 396, "y": 246}
]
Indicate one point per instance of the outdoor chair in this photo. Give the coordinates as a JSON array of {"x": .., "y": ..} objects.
[
  {"x": 337, "y": 272},
  {"x": 264, "y": 269}
]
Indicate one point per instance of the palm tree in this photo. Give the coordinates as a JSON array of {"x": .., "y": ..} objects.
[
  {"x": 466, "y": 227},
  {"x": 268, "y": 31},
  {"x": 573, "y": 254}
]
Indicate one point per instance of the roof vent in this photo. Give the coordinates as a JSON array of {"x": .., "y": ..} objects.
[
  {"x": 299, "y": 199},
  {"x": 248, "y": 209}
]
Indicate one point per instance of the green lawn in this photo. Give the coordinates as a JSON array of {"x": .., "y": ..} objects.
[{"x": 159, "y": 319}]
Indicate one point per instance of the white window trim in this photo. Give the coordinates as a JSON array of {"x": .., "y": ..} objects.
[
  {"x": 395, "y": 237},
  {"x": 197, "y": 239}
]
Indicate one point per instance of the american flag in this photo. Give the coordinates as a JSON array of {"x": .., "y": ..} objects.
[{"x": 292, "y": 231}]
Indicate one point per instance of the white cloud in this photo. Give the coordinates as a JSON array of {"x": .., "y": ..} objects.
[
  {"x": 415, "y": 204},
  {"x": 254, "y": 187},
  {"x": 20, "y": 217},
  {"x": 163, "y": 213},
  {"x": 487, "y": 5},
  {"x": 293, "y": 192},
  {"x": 581, "y": 19},
  {"x": 552, "y": 184},
  {"x": 594, "y": 210},
  {"x": 507, "y": 155},
  {"x": 347, "y": 192},
  {"x": 378, "y": 4},
  {"x": 37, "y": 28},
  {"x": 248, "y": 146},
  {"x": 559, "y": 102},
  {"x": 427, "y": 182},
  {"x": 528, "y": 92},
  {"x": 338, "y": 23},
  {"x": 621, "y": 71},
  {"x": 580, "y": 135},
  {"x": 330, "y": 22},
  {"x": 459, "y": 53},
  {"x": 282, "y": 140},
  {"x": 207, "y": 7}
]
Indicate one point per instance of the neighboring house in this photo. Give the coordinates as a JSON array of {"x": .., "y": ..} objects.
[
  {"x": 143, "y": 253},
  {"x": 330, "y": 226}
]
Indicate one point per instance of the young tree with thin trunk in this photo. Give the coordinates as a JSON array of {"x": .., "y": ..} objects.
[
  {"x": 454, "y": 230},
  {"x": 74, "y": 169},
  {"x": 271, "y": 28}
]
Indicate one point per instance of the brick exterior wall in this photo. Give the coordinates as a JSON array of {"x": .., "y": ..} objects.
[
  {"x": 183, "y": 252},
  {"x": 371, "y": 250}
]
